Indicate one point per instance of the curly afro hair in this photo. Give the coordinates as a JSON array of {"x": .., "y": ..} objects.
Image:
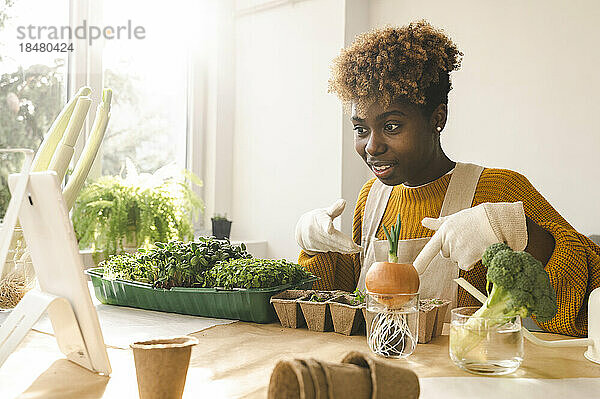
[{"x": 411, "y": 63}]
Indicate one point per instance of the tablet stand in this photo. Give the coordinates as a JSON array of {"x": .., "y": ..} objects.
[
  {"x": 29, "y": 310},
  {"x": 37, "y": 200}
]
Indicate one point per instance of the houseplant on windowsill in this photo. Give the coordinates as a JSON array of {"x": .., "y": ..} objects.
[
  {"x": 114, "y": 213},
  {"x": 221, "y": 226}
]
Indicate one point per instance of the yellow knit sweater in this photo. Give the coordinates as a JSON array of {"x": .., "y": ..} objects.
[{"x": 574, "y": 267}]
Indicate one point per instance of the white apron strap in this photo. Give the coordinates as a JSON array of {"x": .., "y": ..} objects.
[
  {"x": 461, "y": 189},
  {"x": 374, "y": 209}
]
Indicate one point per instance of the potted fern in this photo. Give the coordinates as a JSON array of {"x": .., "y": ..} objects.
[{"x": 114, "y": 214}]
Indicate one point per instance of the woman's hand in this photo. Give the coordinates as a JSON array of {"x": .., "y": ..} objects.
[
  {"x": 465, "y": 235},
  {"x": 315, "y": 231}
]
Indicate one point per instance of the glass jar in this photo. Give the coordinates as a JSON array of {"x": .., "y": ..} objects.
[
  {"x": 483, "y": 345},
  {"x": 392, "y": 324}
]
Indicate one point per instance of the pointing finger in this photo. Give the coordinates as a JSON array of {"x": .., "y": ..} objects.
[
  {"x": 429, "y": 251},
  {"x": 432, "y": 223}
]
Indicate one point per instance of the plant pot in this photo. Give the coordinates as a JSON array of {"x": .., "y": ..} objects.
[
  {"x": 288, "y": 309},
  {"x": 129, "y": 242},
  {"x": 427, "y": 316},
  {"x": 440, "y": 317},
  {"x": 161, "y": 366},
  {"x": 431, "y": 319},
  {"x": 221, "y": 228},
  {"x": 317, "y": 314},
  {"x": 347, "y": 317}
]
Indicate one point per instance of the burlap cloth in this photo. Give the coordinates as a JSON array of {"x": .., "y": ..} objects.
[{"x": 358, "y": 376}]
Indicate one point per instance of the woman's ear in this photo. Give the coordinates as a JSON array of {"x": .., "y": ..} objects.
[{"x": 438, "y": 117}]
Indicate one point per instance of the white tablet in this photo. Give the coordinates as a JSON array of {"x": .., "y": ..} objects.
[{"x": 55, "y": 255}]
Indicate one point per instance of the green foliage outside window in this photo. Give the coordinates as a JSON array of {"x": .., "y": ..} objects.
[{"x": 31, "y": 99}]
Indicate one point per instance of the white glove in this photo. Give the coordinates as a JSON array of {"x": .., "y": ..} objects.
[
  {"x": 315, "y": 231},
  {"x": 464, "y": 236}
]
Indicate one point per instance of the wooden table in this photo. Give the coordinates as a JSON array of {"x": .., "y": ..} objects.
[{"x": 236, "y": 360}]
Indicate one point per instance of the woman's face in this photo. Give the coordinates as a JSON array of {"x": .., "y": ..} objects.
[{"x": 398, "y": 143}]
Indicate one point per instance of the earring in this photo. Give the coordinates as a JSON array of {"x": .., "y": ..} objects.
[{"x": 439, "y": 129}]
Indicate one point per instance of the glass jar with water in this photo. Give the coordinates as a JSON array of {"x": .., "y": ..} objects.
[
  {"x": 484, "y": 346},
  {"x": 392, "y": 324}
]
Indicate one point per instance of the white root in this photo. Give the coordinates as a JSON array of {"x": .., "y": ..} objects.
[{"x": 390, "y": 334}]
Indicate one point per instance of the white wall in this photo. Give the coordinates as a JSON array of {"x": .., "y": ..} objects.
[
  {"x": 527, "y": 95},
  {"x": 354, "y": 171},
  {"x": 287, "y": 136},
  {"x": 213, "y": 115},
  {"x": 525, "y": 99}
]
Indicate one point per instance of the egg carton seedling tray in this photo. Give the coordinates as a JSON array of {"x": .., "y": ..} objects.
[{"x": 252, "y": 304}]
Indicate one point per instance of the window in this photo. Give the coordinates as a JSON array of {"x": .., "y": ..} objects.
[
  {"x": 32, "y": 83},
  {"x": 149, "y": 80},
  {"x": 149, "y": 77}
]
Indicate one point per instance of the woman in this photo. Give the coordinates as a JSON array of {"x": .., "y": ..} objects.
[{"x": 395, "y": 82}]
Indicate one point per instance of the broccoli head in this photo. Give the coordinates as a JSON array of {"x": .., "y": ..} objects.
[
  {"x": 521, "y": 285},
  {"x": 491, "y": 251}
]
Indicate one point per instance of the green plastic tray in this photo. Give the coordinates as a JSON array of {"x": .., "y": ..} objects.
[{"x": 238, "y": 303}]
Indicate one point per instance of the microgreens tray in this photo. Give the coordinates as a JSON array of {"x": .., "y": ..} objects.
[{"x": 251, "y": 304}]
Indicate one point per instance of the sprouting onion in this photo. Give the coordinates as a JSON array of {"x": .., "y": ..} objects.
[
  {"x": 393, "y": 237},
  {"x": 392, "y": 285}
]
